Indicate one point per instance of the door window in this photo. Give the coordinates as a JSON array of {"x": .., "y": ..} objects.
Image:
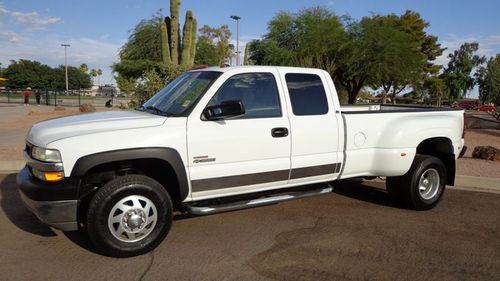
[{"x": 257, "y": 91}]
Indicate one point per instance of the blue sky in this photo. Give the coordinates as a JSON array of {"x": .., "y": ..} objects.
[{"x": 32, "y": 29}]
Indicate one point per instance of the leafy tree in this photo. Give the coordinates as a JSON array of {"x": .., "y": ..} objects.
[
  {"x": 488, "y": 79},
  {"x": 144, "y": 42},
  {"x": 436, "y": 88},
  {"x": 99, "y": 74},
  {"x": 76, "y": 78},
  {"x": 413, "y": 24},
  {"x": 218, "y": 38},
  {"x": 93, "y": 74},
  {"x": 84, "y": 67},
  {"x": 307, "y": 38},
  {"x": 33, "y": 74},
  {"x": 395, "y": 54},
  {"x": 354, "y": 63},
  {"x": 149, "y": 84},
  {"x": 26, "y": 73},
  {"x": 126, "y": 85},
  {"x": 457, "y": 75},
  {"x": 206, "y": 52},
  {"x": 267, "y": 52},
  {"x": 245, "y": 56}
]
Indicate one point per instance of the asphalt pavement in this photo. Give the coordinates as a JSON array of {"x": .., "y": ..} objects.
[{"x": 354, "y": 233}]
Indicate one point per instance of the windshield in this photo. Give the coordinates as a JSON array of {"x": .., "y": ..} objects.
[{"x": 179, "y": 96}]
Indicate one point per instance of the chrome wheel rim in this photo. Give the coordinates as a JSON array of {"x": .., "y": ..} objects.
[
  {"x": 428, "y": 185},
  {"x": 132, "y": 218}
]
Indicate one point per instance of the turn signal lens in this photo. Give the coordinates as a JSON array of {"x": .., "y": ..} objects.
[{"x": 53, "y": 176}]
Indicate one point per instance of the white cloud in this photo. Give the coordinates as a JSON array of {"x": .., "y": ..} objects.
[
  {"x": 10, "y": 36},
  {"x": 31, "y": 20},
  {"x": 3, "y": 10},
  {"x": 34, "y": 19}
]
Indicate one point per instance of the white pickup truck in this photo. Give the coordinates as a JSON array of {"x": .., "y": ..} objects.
[{"x": 220, "y": 139}]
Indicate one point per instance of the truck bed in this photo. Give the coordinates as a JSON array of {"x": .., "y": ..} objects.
[{"x": 381, "y": 140}]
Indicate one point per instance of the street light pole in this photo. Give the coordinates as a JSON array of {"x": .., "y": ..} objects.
[
  {"x": 237, "y": 19},
  {"x": 66, "y": 63}
]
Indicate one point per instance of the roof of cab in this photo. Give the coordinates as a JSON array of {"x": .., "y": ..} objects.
[{"x": 246, "y": 67}]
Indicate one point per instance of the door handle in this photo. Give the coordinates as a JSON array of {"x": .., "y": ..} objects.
[{"x": 279, "y": 132}]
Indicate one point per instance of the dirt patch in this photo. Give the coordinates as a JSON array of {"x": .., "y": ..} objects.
[
  {"x": 15, "y": 123},
  {"x": 478, "y": 167}
]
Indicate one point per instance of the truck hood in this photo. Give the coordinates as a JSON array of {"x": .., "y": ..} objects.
[{"x": 43, "y": 133}]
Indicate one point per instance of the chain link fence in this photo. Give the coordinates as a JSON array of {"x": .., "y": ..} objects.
[{"x": 61, "y": 98}]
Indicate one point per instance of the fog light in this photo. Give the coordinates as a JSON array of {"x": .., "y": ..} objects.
[
  {"x": 48, "y": 176},
  {"x": 53, "y": 176}
]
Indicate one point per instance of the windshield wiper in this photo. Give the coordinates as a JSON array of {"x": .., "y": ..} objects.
[{"x": 154, "y": 109}]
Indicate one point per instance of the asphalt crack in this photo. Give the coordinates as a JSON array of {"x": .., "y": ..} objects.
[{"x": 150, "y": 264}]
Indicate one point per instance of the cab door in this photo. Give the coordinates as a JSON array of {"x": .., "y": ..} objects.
[
  {"x": 314, "y": 119},
  {"x": 245, "y": 153}
]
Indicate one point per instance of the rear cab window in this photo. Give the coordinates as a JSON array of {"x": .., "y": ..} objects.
[{"x": 307, "y": 94}]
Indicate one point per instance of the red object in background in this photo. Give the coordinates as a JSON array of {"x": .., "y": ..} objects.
[
  {"x": 486, "y": 108},
  {"x": 467, "y": 104},
  {"x": 26, "y": 93}
]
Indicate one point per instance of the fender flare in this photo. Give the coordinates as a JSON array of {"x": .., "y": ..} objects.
[{"x": 169, "y": 155}]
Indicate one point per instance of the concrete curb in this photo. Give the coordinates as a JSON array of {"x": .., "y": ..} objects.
[{"x": 483, "y": 183}]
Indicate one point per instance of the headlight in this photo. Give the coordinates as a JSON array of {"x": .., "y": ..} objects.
[{"x": 46, "y": 155}]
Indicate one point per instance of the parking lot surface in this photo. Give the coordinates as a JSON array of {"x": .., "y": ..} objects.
[{"x": 354, "y": 233}]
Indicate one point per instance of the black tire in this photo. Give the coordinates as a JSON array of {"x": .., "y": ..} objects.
[
  {"x": 405, "y": 189},
  {"x": 141, "y": 189}
]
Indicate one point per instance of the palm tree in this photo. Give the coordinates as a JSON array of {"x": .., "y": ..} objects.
[
  {"x": 99, "y": 73},
  {"x": 93, "y": 73},
  {"x": 84, "y": 67}
]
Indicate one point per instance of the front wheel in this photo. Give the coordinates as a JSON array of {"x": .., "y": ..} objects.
[
  {"x": 422, "y": 187},
  {"x": 129, "y": 216}
]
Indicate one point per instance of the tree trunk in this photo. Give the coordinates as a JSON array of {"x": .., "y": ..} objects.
[{"x": 352, "y": 97}]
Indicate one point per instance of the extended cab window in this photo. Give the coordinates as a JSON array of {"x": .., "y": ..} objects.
[
  {"x": 307, "y": 94},
  {"x": 257, "y": 91}
]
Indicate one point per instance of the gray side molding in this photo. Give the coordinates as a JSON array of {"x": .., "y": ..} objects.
[{"x": 171, "y": 156}]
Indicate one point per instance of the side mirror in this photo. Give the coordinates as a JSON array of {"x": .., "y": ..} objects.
[{"x": 224, "y": 110}]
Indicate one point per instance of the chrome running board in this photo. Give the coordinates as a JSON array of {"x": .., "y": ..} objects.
[{"x": 262, "y": 201}]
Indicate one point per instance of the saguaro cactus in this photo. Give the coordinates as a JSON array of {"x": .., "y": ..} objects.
[
  {"x": 165, "y": 46},
  {"x": 193, "y": 42},
  {"x": 173, "y": 52},
  {"x": 174, "y": 27},
  {"x": 186, "y": 38}
]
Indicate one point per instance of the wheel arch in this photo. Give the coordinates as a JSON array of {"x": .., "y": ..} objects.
[
  {"x": 441, "y": 148},
  {"x": 158, "y": 158}
]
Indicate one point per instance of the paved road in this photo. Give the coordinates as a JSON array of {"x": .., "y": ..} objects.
[{"x": 352, "y": 234}]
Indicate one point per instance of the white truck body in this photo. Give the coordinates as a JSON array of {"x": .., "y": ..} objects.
[{"x": 232, "y": 156}]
